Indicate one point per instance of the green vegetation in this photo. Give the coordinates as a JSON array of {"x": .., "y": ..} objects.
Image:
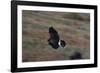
[{"x": 77, "y": 16}]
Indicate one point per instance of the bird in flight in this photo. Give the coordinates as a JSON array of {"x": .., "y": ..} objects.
[{"x": 54, "y": 39}]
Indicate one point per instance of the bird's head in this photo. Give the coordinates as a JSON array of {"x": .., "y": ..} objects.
[{"x": 62, "y": 43}]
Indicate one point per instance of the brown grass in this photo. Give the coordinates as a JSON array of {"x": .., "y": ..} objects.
[{"x": 75, "y": 32}]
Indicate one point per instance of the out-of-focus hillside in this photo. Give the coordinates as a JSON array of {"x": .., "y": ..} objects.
[{"x": 74, "y": 28}]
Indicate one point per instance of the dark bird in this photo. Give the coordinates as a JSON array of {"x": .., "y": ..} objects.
[{"x": 54, "y": 39}]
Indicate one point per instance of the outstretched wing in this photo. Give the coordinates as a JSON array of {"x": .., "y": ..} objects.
[{"x": 53, "y": 34}]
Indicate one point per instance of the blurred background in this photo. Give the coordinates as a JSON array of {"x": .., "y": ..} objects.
[{"x": 73, "y": 28}]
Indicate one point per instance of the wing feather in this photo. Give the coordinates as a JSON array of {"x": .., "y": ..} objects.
[{"x": 53, "y": 34}]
